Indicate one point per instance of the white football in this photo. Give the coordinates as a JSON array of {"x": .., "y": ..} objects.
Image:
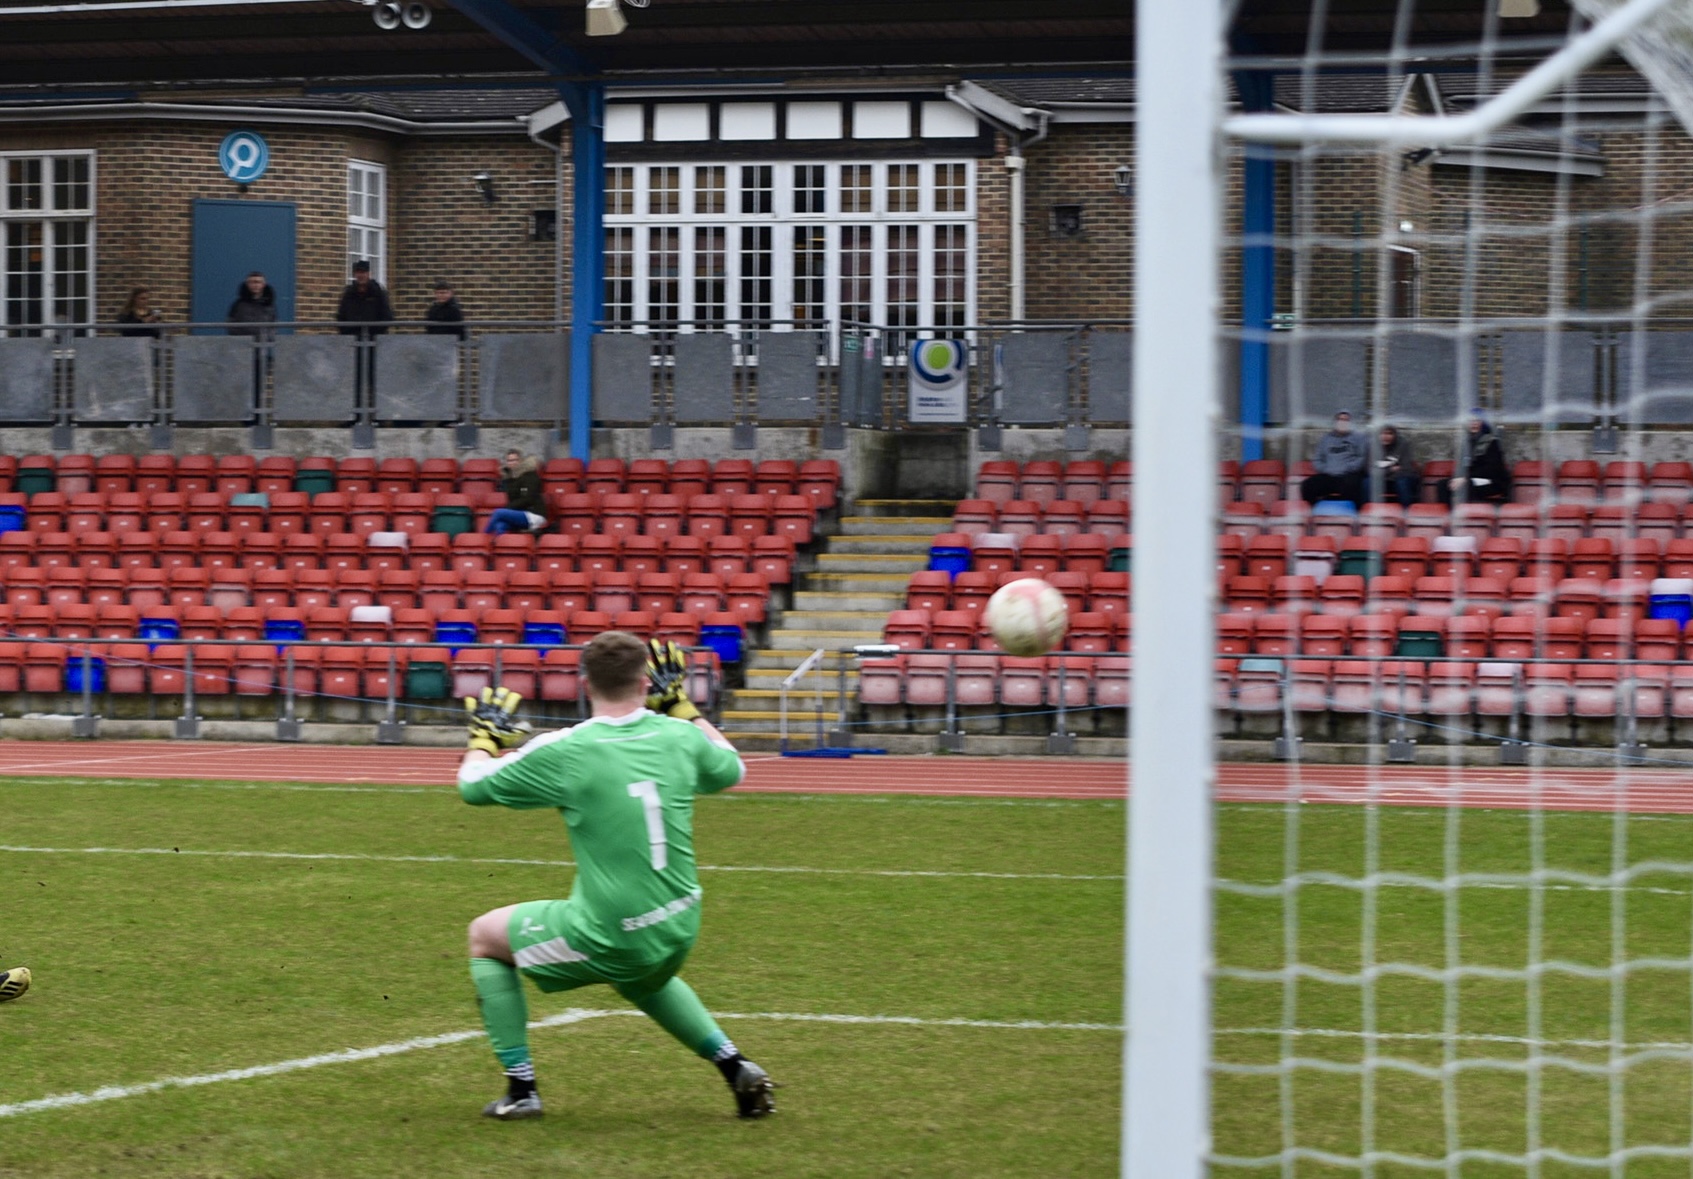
[{"x": 1028, "y": 617}]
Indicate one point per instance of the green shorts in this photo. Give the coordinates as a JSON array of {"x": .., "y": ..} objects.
[{"x": 546, "y": 943}]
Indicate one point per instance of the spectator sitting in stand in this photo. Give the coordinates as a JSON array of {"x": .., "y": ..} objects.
[
  {"x": 525, "y": 509},
  {"x": 1483, "y": 474},
  {"x": 1396, "y": 467},
  {"x": 1339, "y": 463}
]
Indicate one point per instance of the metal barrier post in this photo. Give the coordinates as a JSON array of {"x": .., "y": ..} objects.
[
  {"x": 1061, "y": 740},
  {"x": 188, "y": 724},
  {"x": 1513, "y": 751},
  {"x": 1401, "y": 747},
  {"x": 952, "y": 737},
  {"x": 86, "y": 725},
  {"x": 391, "y": 730},
  {"x": 288, "y": 725},
  {"x": 1287, "y": 745},
  {"x": 841, "y": 737},
  {"x": 1631, "y": 751}
]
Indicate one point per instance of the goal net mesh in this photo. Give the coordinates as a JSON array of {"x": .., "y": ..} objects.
[{"x": 1454, "y": 911}]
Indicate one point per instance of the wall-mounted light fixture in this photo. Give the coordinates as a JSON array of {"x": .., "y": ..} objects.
[
  {"x": 485, "y": 187},
  {"x": 1123, "y": 179}
]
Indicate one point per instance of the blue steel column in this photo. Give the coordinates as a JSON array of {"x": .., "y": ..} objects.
[
  {"x": 587, "y": 254},
  {"x": 1257, "y": 272}
]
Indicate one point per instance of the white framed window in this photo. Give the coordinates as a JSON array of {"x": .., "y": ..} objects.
[
  {"x": 711, "y": 245},
  {"x": 46, "y": 240},
  {"x": 367, "y": 217}
]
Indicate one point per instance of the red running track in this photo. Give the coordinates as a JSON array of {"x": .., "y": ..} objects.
[{"x": 1667, "y": 791}]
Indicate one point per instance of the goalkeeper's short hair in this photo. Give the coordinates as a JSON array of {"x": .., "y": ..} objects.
[{"x": 615, "y": 663}]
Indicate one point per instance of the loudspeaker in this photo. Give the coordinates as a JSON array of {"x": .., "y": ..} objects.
[
  {"x": 417, "y": 16},
  {"x": 386, "y": 15}
]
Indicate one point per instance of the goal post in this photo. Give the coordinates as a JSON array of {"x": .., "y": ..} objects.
[{"x": 1179, "y": 101}]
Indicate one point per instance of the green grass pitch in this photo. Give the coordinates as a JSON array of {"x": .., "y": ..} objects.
[
  {"x": 176, "y": 964},
  {"x": 173, "y": 965}
]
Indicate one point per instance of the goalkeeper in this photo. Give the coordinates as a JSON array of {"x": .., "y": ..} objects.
[{"x": 625, "y": 781}]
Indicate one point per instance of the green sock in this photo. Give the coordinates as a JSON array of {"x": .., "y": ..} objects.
[
  {"x": 505, "y": 1013},
  {"x": 676, "y": 1009}
]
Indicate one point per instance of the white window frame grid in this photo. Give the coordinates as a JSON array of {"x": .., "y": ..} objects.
[
  {"x": 369, "y": 228},
  {"x": 48, "y": 216},
  {"x": 785, "y": 220}
]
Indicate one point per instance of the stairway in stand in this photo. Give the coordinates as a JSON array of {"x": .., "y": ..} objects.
[{"x": 841, "y": 602}]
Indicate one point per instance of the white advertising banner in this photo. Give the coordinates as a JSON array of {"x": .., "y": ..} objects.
[{"x": 937, "y": 372}]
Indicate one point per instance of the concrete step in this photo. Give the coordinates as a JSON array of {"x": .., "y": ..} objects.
[
  {"x": 901, "y": 543},
  {"x": 770, "y": 661},
  {"x": 904, "y": 507},
  {"x": 831, "y": 620},
  {"x": 830, "y": 640},
  {"x": 752, "y": 698},
  {"x": 883, "y": 563},
  {"x": 772, "y": 674},
  {"x": 809, "y": 599},
  {"x": 862, "y": 583},
  {"x": 892, "y": 525}
]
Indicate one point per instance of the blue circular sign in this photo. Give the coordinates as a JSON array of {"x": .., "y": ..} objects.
[{"x": 244, "y": 156}]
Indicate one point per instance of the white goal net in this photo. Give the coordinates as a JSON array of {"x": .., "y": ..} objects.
[{"x": 1411, "y": 834}]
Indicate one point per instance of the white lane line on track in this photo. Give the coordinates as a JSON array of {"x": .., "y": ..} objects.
[
  {"x": 741, "y": 794},
  {"x": 563, "y": 1018},
  {"x": 363, "y": 856}
]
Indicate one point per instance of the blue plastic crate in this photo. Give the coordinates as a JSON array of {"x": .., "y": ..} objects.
[
  {"x": 543, "y": 634},
  {"x": 96, "y": 674},
  {"x": 727, "y": 641}
]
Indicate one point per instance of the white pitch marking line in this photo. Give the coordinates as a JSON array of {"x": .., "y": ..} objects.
[
  {"x": 284, "y": 855},
  {"x": 570, "y": 1016},
  {"x": 1436, "y": 1037}
]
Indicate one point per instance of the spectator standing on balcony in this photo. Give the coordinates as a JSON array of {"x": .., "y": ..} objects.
[
  {"x": 254, "y": 307},
  {"x": 1339, "y": 464},
  {"x": 365, "y": 311},
  {"x": 139, "y": 315},
  {"x": 1396, "y": 467},
  {"x": 526, "y": 509},
  {"x": 445, "y": 315},
  {"x": 1483, "y": 474}
]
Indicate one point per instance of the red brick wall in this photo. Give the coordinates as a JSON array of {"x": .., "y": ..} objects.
[{"x": 1091, "y": 276}]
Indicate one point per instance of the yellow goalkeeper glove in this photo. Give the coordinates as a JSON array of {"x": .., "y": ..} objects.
[
  {"x": 667, "y": 668},
  {"x": 493, "y": 723}
]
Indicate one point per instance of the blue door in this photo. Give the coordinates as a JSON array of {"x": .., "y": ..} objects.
[{"x": 233, "y": 238}]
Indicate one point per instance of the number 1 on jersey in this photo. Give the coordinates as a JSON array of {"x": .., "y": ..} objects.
[{"x": 647, "y": 792}]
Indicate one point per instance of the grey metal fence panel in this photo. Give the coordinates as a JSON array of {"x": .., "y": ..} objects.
[
  {"x": 312, "y": 378},
  {"x": 788, "y": 376},
  {"x": 417, "y": 378},
  {"x": 1430, "y": 378},
  {"x": 1314, "y": 376},
  {"x": 1111, "y": 378},
  {"x": 211, "y": 379},
  {"x": 26, "y": 381},
  {"x": 704, "y": 377},
  {"x": 1035, "y": 378},
  {"x": 1662, "y": 394},
  {"x": 623, "y": 377},
  {"x": 524, "y": 377},
  {"x": 1530, "y": 392},
  {"x": 113, "y": 380},
  {"x": 861, "y": 380}
]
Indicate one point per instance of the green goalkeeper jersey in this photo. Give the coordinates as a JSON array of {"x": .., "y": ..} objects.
[{"x": 625, "y": 787}]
